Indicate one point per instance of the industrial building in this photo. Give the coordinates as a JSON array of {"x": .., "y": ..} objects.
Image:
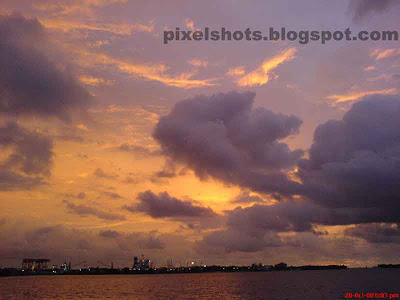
[
  {"x": 35, "y": 264},
  {"x": 142, "y": 264}
]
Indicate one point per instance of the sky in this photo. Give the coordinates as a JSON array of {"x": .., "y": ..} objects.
[{"x": 115, "y": 145}]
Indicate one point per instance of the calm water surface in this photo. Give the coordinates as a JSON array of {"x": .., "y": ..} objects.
[{"x": 330, "y": 284}]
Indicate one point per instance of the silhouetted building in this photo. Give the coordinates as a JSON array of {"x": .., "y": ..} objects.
[
  {"x": 34, "y": 264},
  {"x": 142, "y": 264}
]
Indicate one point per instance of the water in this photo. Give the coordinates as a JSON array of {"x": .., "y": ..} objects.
[{"x": 329, "y": 284}]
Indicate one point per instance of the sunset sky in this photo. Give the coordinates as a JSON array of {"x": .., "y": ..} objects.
[{"x": 114, "y": 144}]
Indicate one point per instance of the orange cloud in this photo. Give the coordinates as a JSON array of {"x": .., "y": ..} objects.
[
  {"x": 262, "y": 74},
  {"x": 94, "y": 81},
  {"x": 384, "y": 53},
  {"x": 236, "y": 71},
  {"x": 380, "y": 77},
  {"x": 149, "y": 72},
  {"x": 67, "y": 7},
  {"x": 352, "y": 96},
  {"x": 198, "y": 63},
  {"x": 119, "y": 29},
  {"x": 370, "y": 68}
]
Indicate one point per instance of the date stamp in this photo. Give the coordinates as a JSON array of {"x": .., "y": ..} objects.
[{"x": 362, "y": 295}]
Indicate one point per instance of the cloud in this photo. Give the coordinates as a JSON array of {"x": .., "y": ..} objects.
[
  {"x": 49, "y": 241},
  {"x": 149, "y": 72},
  {"x": 379, "y": 54},
  {"x": 80, "y": 195},
  {"x": 225, "y": 138},
  {"x": 70, "y": 7},
  {"x": 353, "y": 96},
  {"x": 396, "y": 76},
  {"x": 95, "y": 81},
  {"x": 363, "y": 8},
  {"x": 350, "y": 177},
  {"x": 228, "y": 241},
  {"x": 262, "y": 74},
  {"x": 130, "y": 180},
  {"x": 169, "y": 170},
  {"x": 149, "y": 240},
  {"x": 354, "y": 163},
  {"x": 99, "y": 173},
  {"x": 245, "y": 197},
  {"x": 118, "y": 29},
  {"x": 29, "y": 160},
  {"x": 113, "y": 195},
  {"x": 198, "y": 63},
  {"x": 370, "y": 68},
  {"x": 22, "y": 239},
  {"x": 280, "y": 217},
  {"x": 238, "y": 71},
  {"x": 376, "y": 233},
  {"x": 10, "y": 180},
  {"x": 165, "y": 206},
  {"x": 139, "y": 150},
  {"x": 32, "y": 153},
  {"x": 35, "y": 80},
  {"x": 109, "y": 234},
  {"x": 84, "y": 210}
]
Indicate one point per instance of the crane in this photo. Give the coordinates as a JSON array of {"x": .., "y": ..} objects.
[
  {"x": 82, "y": 262},
  {"x": 105, "y": 265}
]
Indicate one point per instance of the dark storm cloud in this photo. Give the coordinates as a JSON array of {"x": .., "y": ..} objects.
[
  {"x": 165, "y": 206},
  {"x": 256, "y": 228},
  {"x": 376, "y": 233},
  {"x": 30, "y": 158},
  {"x": 224, "y": 137},
  {"x": 260, "y": 224},
  {"x": 362, "y": 8},
  {"x": 85, "y": 210},
  {"x": 32, "y": 80},
  {"x": 301, "y": 217},
  {"x": 350, "y": 177},
  {"x": 281, "y": 217},
  {"x": 355, "y": 162}
]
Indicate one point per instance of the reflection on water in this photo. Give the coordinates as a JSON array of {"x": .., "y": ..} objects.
[{"x": 332, "y": 284}]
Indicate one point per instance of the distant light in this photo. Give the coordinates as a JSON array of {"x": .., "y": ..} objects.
[{"x": 192, "y": 262}]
